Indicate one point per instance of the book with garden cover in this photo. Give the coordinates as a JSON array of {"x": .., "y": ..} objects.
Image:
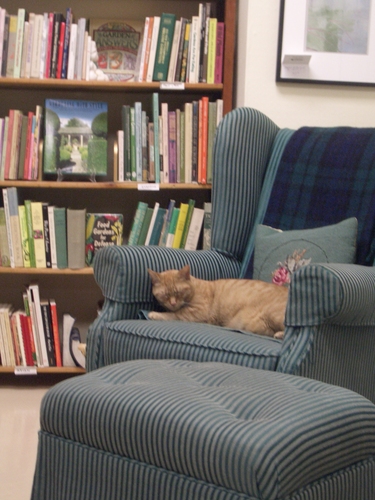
[
  {"x": 102, "y": 230},
  {"x": 75, "y": 138}
]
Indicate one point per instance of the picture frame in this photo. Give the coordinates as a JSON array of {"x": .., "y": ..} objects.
[{"x": 326, "y": 42}]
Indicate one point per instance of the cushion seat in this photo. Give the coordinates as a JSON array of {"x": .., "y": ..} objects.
[
  {"x": 132, "y": 339},
  {"x": 184, "y": 430}
]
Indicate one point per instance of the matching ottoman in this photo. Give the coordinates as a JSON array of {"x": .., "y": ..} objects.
[{"x": 182, "y": 430}]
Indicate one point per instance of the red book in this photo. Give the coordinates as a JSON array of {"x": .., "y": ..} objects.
[
  {"x": 55, "y": 331},
  {"x": 60, "y": 50},
  {"x": 26, "y": 336},
  {"x": 219, "y": 53},
  {"x": 29, "y": 142},
  {"x": 203, "y": 177}
]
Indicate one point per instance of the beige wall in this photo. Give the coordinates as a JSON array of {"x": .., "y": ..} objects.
[{"x": 290, "y": 105}]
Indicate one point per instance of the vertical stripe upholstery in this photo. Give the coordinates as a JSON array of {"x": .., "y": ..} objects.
[{"x": 159, "y": 427}]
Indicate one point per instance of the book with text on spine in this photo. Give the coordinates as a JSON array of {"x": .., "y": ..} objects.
[
  {"x": 102, "y": 230},
  {"x": 75, "y": 137}
]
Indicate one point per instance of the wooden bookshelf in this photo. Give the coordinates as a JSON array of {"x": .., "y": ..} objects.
[{"x": 75, "y": 291}]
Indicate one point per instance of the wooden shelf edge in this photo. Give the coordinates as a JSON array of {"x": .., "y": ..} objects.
[
  {"x": 38, "y": 270},
  {"x": 99, "y": 85},
  {"x": 96, "y": 185},
  {"x": 49, "y": 369}
]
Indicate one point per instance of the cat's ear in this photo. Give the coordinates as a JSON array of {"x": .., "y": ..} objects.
[
  {"x": 154, "y": 276},
  {"x": 185, "y": 272}
]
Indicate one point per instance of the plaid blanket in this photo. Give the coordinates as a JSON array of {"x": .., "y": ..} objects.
[{"x": 327, "y": 175}]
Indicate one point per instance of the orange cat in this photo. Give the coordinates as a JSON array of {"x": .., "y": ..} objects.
[{"x": 250, "y": 305}]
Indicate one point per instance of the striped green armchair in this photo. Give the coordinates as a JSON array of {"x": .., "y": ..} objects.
[{"x": 289, "y": 180}]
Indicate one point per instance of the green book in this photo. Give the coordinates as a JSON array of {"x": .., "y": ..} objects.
[
  {"x": 125, "y": 120},
  {"x": 133, "y": 151},
  {"x": 145, "y": 226},
  {"x": 61, "y": 238},
  {"x": 191, "y": 204},
  {"x": 4, "y": 245},
  {"x": 137, "y": 223},
  {"x": 155, "y": 117},
  {"x": 156, "y": 232},
  {"x": 164, "y": 46},
  {"x": 29, "y": 223},
  {"x": 172, "y": 227},
  {"x": 24, "y": 235}
]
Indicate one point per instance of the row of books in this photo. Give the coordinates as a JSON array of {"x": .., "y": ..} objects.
[
  {"x": 47, "y": 45},
  {"x": 172, "y": 146},
  {"x": 183, "y": 50},
  {"x": 39, "y": 235},
  {"x": 19, "y": 144},
  {"x": 172, "y": 227},
  {"x": 32, "y": 336},
  {"x": 162, "y": 48}
]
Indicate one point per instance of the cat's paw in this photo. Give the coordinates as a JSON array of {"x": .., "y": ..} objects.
[
  {"x": 279, "y": 335},
  {"x": 154, "y": 315},
  {"x": 82, "y": 348}
]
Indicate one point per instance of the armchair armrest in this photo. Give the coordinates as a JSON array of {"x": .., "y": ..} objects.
[
  {"x": 121, "y": 273},
  {"x": 330, "y": 326}
]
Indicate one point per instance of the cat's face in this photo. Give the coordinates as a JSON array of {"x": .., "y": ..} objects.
[{"x": 172, "y": 289}]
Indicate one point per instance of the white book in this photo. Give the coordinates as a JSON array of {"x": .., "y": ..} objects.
[
  {"x": 143, "y": 49},
  {"x": 37, "y": 319},
  {"x": 188, "y": 141},
  {"x": 19, "y": 42},
  {"x": 120, "y": 156},
  {"x": 8, "y": 226},
  {"x": 80, "y": 48},
  {"x": 194, "y": 50},
  {"x": 43, "y": 48},
  {"x": 16, "y": 318},
  {"x": 24, "y": 49},
  {"x": 194, "y": 229},
  {"x": 174, "y": 51},
  {"x": 86, "y": 47},
  {"x": 2, "y": 22},
  {"x": 4, "y": 351},
  {"x": 154, "y": 43},
  {"x": 165, "y": 139},
  {"x": 8, "y": 334},
  {"x": 37, "y": 46},
  {"x": 72, "y": 51},
  {"x": 88, "y": 57},
  {"x": 29, "y": 53},
  {"x": 152, "y": 223},
  {"x": 219, "y": 111},
  {"x": 52, "y": 236}
]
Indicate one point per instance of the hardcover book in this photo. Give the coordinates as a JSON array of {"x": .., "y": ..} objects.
[
  {"x": 118, "y": 43},
  {"x": 102, "y": 230},
  {"x": 75, "y": 137}
]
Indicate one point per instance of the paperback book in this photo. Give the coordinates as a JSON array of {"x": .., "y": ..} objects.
[
  {"x": 75, "y": 137},
  {"x": 102, "y": 230}
]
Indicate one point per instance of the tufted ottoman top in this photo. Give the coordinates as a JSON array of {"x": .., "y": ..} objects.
[{"x": 260, "y": 433}]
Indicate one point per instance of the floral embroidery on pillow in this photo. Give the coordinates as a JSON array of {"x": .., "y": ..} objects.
[{"x": 281, "y": 276}]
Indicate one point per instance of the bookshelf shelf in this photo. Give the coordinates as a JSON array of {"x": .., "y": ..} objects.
[
  {"x": 69, "y": 85},
  {"x": 50, "y": 370},
  {"x": 39, "y": 271},
  {"x": 98, "y": 185}
]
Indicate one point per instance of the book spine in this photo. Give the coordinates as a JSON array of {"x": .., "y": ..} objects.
[
  {"x": 37, "y": 320},
  {"x": 172, "y": 146},
  {"x": 5, "y": 45},
  {"x": 180, "y": 225},
  {"x": 2, "y": 24},
  {"x": 55, "y": 332},
  {"x": 152, "y": 223},
  {"x": 24, "y": 49},
  {"x": 180, "y": 50},
  {"x": 26, "y": 296},
  {"x": 194, "y": 48},
  {"x": 36, "y": 46},
  {"x": 203, "y": 177},
  {"x": 72, "y": 51},
  {"x": 174, "y": 51},
  {"x": 153, "y": 47},
  {"x": 155, "y": 117},
  {"x": 52, "y": 236},
  {"x": 189, "y": 216},
  {"x": 146, "y": 30},
  {"x": 151, "y": 153},
  {"x": 26, "y": 338},
  {"x": 133, "y": 151},
  {"x": 68, "y": 25},
  {"x": 194, "y": 151},
  {"x": 207, "y": 226},
  {"x": 21, "y": 17},
  {"x": 47, "y": 236},
  {"x": 172, "y": 227},
  {"x": 156, "y": 231},
  {"x": 60, "y": 50},
  {"x": 29, "y": 225},
  {"x": 211, "y": 51},
  {"x": 137, "y": 223},
  {"x": 60, "y": 233},
  {"x": 188, "y": 141},
  {"x": 47, "y": 66},
  {"x": 138, "y": 139},
  {"x": 38, "y": 234},
  {"x": 120, "y": 156},
  {"x": 165, "y": 141},
  {"x": 47, "y": 327},
  {"x": 76, "y": 225},
  {"x": 15, "y": 226},
  {"x": 219, "y": 53},
  {"x": 167, "y": 222},
  {"x": 164, "y": 46},
  {"x": 29, "y": 54},
  {"x": 43, "y": 51},
  {"x": 24, "y": 236},
  {"x": 145, "y": 164},
  {"x": 11, "y": 46},
  {"x": 195, "y": 229},
  {"x": 125, "y": 117}
]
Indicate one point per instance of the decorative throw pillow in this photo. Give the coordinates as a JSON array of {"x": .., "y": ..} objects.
[{"x": 278, "y": 254}]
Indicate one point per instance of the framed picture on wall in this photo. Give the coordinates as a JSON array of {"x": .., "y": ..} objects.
[{"x": 327, "y": 41}]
